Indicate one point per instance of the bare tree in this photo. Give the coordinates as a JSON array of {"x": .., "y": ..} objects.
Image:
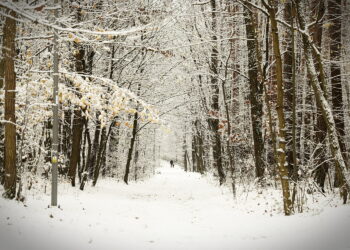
[
  {"x": 334, "y": 17},
  {"x": 256, "y": 91},
  {"x": 9, "y": 53},
  {"x": 214, "y": 119},
  {"x": 283, "y": 171}
]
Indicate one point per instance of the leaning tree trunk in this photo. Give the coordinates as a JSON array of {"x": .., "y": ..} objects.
[
  {"x": 318, "y": 10},
  {"x": 283, "y": 171},
  {"x": 256, "y": 92},
  {"x": 334, "y": 13},
  {"x": 324, "y": 105},
  {"x": 9, "y": 53},
  {"x": 214, "y": 120}
]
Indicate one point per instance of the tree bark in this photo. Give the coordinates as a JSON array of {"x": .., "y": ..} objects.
[
  {"x": 318, "y": 10},
  {"x": 131, "y": 148},
  {"x": 78, "y": 123},
  {"x": 84, "y": 170},
  {"x": 214, "y": 119},
  {"x": 101, "y": 151},
  {"x": 2, "y": 148},
  {"x": 289, "y": 82},
  {"x": 256, "y": 92},
  {"x": 95, "y": 147},
  {"x": 9, "y": 53},
  {"x": 185, "y": 151},
  {"x": 66, "y": 139},
  {"x": 283, "y": 171},
  {"x": 113, "y": 146},
  {"x": 194, "y": 149},
  {"x": 78, "y": 120},
  {"x": 200, "y": 148}
]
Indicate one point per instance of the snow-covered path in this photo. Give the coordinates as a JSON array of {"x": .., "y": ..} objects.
[{"x": 173, "y": 210}]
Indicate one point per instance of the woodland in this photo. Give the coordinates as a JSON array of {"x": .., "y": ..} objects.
[{"x": 249, "y": 91}]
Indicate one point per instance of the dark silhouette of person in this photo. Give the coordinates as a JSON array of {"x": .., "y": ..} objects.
[{"x": 171, "y": 163}]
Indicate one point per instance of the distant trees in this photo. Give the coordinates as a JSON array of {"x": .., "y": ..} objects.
[
  {"x": 277, "y": 74},
  {"x": 341, "y": 167}
]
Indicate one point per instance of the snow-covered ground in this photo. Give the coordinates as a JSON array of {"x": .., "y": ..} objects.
[{"x": 172, "y": 210}]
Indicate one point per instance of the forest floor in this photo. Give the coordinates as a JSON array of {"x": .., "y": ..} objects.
[{"x": 172, "y": 210}]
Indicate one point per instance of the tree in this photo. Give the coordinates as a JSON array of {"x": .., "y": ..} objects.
[
  {"x": 334, "y": 17},
  {"x": 290, "y": 91},
  {"x": 78, "y": 120},
  {"x": 2, "y": 142},
  {"x": 214, "y": 119},
  {"x": 318, "y": 10},
  {"x": 283, "y": 171},
  {"x": 256, "y": 91},
  {"x": 9, "y": 53}
]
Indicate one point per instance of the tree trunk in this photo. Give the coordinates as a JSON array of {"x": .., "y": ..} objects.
[
  {"x": 84, "y": 170},
  {"x": 214, "y": 119},
  {"x": 318, "y": 10},
  {"x": 131, "y": 148},
  {"x": 256, "y": 92},
  {"x": 66, "y": 139},
  {"x": 200, "y": 149},
  {"x": 78, "y": 120},
  {"x": 283, "y": 171},
  {"x": 289, "y": 82},
  {"x": 95, "y": 147},
  {"x": 78, "y": 123},
  {"x": 9, "y": 53},
  {"x": 113, "y": 147},
  {"x": 2, "y": 148},
  {"x": 101, "y": 151},
  {"x": 136, "y": 157},
  {"x": 194, "y": 150},
  {"x": 335, "y": 15},
  {"x": 185, "y": 151},
  {"x": 48, "y": 140}
]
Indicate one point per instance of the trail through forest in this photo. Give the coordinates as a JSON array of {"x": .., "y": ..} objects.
[{"x": 172, "y": 210}]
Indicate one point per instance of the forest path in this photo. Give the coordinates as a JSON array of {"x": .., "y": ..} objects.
[{"x": 172, "y": 210}]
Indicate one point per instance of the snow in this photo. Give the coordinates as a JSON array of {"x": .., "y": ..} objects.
[
  {"x": 172, "y": 210},
  {"x": 280, "y": 150}
]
